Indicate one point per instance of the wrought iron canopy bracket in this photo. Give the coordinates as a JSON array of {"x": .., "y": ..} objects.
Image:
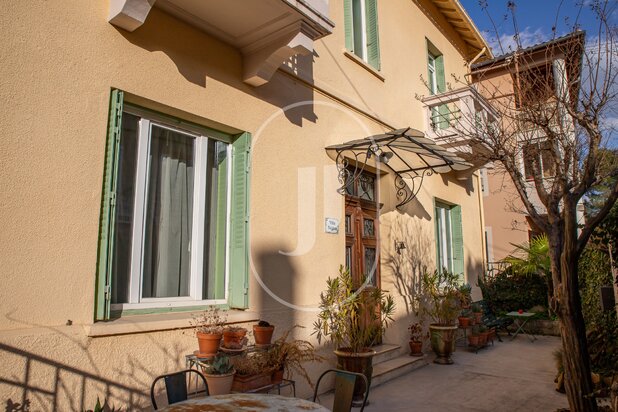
[{"x": 406, "y": 152}]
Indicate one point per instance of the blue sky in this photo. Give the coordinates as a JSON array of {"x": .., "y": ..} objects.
[{"x": 534, "y": 19}]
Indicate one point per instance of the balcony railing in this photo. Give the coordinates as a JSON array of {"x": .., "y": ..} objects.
[{"x": 456, "y": 114}]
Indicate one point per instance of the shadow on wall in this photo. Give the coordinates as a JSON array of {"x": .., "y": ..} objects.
[
  {"x": 198, "y": 56},
  {"x": 276, "y": 277},
  {"x": 34, "y": 381},
  {"x": 407, "y": 265},
  {"x": 474, "y": 269},
  {"x": 63, "y": 387}
]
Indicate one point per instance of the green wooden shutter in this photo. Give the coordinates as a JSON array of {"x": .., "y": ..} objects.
[
  {"x": 443, "y": 122},
  {"x": 239, "y": 233},
  {"x": 457, "y": 242},
  {"x": 373, "y": 41},
  {"x": 348, "y": 25},
  {"x": 436, "y": 214},
  {"x": 108, "y": 208}
]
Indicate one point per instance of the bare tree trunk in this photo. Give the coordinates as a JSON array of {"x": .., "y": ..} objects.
[{"x": 578, "y": 382}]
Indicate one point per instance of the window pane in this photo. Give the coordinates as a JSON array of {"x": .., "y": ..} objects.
[
  {"x": 370, "y": 265},
  {"x": 369, "y": 229},
  {"x": 547, "y": 160},
  {"x": 169, "y": 209},
  {"x": 366, "y": 187},
  {"x": 359, "y": 31},
  {"x": 531, "y": 156},
  {"x": 125, "y": 193},
  {"x": 348, "y": 224},
  {"x": 348, "y": 257},
  {"x": 215, "y": 226}
]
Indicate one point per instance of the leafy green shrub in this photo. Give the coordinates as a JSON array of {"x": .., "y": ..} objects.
[
  {"x": 601, "y": 327},
  {"x": 508, "y": 291}
]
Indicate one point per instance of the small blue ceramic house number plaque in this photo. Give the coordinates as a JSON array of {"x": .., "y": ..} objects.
[{"x": 331, "y": 225}]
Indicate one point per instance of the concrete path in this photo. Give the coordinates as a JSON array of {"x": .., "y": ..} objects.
[{"x": 513, "y": 375}]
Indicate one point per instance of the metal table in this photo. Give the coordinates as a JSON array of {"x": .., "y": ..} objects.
[
  {"x": 520, "y": 321},
  {"x": 245, "y": 402}
]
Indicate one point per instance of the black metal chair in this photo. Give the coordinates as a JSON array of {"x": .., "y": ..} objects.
[
  {"x": 176, "y": 386},
  {"x": 492, "y": 321},
  {"x": 344, "y": 389}
]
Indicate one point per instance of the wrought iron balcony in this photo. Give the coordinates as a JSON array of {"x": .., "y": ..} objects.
[{"x": 452, "y": 117}]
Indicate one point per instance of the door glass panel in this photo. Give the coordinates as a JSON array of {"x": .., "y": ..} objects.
[
  {"x": 370, "y": 268},
  {"x": 169, "y": 212},
  {"x": 348, "y": 257},
  {"x": 369, "y": 228},
  {"x": 125, "y": 194},
  {"x": 348, "y": 224},
  {"x": 366, "y": 187}
]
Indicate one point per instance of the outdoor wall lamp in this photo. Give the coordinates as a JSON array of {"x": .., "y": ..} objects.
[{"x": 399, "y": 246}]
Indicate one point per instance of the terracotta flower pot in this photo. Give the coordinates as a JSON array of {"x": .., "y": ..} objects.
[
  {"x": 208, "y": 343},
  {"x": 478, "y": 317},
  {"x": 483, "y": 338},
  {"x": 360, "y": 363},
  {"x": 220, "y": 384},
  {"x": 473, "y": 340},
  {"x": 416, "y": 348},
  {"x": 277, "y": 376},
  {"x": 232, "y": 339},
  {"x": 443, "y": 343},
  {"x": 263, "y": 334},
  {"x": 464, "y": 322}
]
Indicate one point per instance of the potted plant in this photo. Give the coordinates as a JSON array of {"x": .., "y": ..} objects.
[
  {"x": 252, "y": 371},
  {"x": 416, "y": 339},
  {"x": 473, "y": 339},
  {"x": 465, "y": 295},
  {"x": 440, "y": 300},
  {"x": 478, "y": 313},
  {"x": 484, "y": 335},
  {"x": 464, "y": 319},
  {"x": 234, "y": 337},
  {"x": 219, "y": 375},
  {"x": 263, "y": 333},
  {"x": 353, "y": 318},
  {"x": 290, "y": 355},
  {"x": 208, "y": 329}
]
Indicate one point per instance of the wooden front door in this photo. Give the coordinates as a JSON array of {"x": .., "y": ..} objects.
[{"x": 361, "y": 229}]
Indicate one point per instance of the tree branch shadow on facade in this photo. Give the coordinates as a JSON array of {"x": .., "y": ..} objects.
[{"x": 408, "y": 264}]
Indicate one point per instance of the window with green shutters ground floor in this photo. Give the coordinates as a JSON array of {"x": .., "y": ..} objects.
[
  {"x": 174, "y": 215},
  {"x": 449, "y": 238}
]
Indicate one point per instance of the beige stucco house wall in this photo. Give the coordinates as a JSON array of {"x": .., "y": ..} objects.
[{"x": 60, "y": 61}]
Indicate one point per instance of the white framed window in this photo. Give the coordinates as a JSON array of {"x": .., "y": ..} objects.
[
  {"x": 431, "y": 69},
  {"x": 538, "y": 153},
  {"x": 172, "y": 216},
  {"x": 361, "y": 30},
  {"x": 449, "y": 238}
]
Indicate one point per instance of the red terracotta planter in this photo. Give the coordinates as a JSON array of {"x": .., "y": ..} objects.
[
  {"x": 208, "y": 343},
  {"x": 263, "y": 334},
  {"x": 473, "y": 340},
  {"x": 464, "y": 322},
  {"x": 232, "y": 339},
  {"x": 416, "y": 348}
]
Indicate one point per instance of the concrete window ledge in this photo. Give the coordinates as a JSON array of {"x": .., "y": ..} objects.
[
  {"x": 158, "y": 322},
  {"x": 364, "y": 64}
]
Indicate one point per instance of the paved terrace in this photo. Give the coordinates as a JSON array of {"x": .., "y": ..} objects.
[{"x": 513, "y": 375}]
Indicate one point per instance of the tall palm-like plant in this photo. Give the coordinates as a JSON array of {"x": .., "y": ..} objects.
[{"x": 533, "y": 258}]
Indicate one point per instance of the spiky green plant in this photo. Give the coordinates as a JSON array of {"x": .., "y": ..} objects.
[
  {"x": 350, "y": 317},
  {"x": 220, "y": 365}
]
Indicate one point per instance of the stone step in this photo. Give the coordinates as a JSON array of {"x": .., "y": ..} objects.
[
  {"x": 393, "y": 368},
  {"x": 386, "y": 352}
]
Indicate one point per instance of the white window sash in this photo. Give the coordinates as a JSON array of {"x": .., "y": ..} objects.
[{"x": 136, "y": 301}]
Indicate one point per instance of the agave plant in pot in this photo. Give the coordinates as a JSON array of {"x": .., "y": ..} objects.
[
  {"x": 353, "y": 318},
  {"x": 209, "y": 330},
  {"x": 219, "y": 375},
  {"x": 440, "y": 301}
]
